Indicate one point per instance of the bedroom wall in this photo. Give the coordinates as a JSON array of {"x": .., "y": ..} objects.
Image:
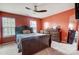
[
  {"x": 78, "y": 35},
  {"x": 0, "y": 31},
  {"x": 20, "y": 20},
  {"x": 61, "y": 19}
]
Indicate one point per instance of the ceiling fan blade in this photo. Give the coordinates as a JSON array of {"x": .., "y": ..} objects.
[
  {"x": 28, "y": 8},
  {"x": 41, "y": 11},
  {"x": 35, "y": 9}
]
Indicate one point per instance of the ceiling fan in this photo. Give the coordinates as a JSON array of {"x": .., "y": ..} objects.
[{"x": 35, "y": 9}]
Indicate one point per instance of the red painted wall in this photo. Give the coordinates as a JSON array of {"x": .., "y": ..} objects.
[
  {"x": 61, "y": 19},
  {"x": 20, "y": 20}
]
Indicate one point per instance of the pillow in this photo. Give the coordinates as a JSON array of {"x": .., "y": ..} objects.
[{"x": 26, "y": 31}]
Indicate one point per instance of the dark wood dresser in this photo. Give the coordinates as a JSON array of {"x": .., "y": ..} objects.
[
  {"x": 71, "y": 36},
  {"x": 55, "y": 35}
]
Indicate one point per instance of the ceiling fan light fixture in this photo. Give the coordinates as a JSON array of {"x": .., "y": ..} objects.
[{"x": 35, "y": 9}]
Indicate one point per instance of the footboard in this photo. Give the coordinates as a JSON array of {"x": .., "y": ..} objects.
[{"x": 35, "y": 44}]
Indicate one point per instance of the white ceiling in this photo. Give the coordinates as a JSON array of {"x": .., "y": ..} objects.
[{"x": 52, "y": 8}]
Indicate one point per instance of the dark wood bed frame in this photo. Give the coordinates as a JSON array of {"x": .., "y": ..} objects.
[{"x": 33, "y": 45}]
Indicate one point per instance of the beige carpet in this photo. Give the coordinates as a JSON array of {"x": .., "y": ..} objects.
[
  {"x": 11, "y": 49},
  {"x": 49, "y": 51}
]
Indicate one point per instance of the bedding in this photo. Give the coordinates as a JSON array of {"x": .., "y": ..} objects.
[
  {"x": 19, "y": 37},
  {"x": 26, "y": 31}
]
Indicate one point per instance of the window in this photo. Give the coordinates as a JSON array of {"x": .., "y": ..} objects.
[
  {"x": 8, "y": 25},
  {"x": 46, "y": 25},
  {"x": 33, "y": 24}
]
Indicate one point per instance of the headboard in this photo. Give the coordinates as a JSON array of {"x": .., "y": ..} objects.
[{"x": 19, "y": 29}]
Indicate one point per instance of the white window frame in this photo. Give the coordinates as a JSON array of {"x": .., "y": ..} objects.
[
  {"x": 33, "y": 24},
  {"x": 8, "y": 26}
]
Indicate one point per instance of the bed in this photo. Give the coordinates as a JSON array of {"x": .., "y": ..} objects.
[
  {"x": 32, "y": 43},
  {"x": 29, "y": 42}
]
